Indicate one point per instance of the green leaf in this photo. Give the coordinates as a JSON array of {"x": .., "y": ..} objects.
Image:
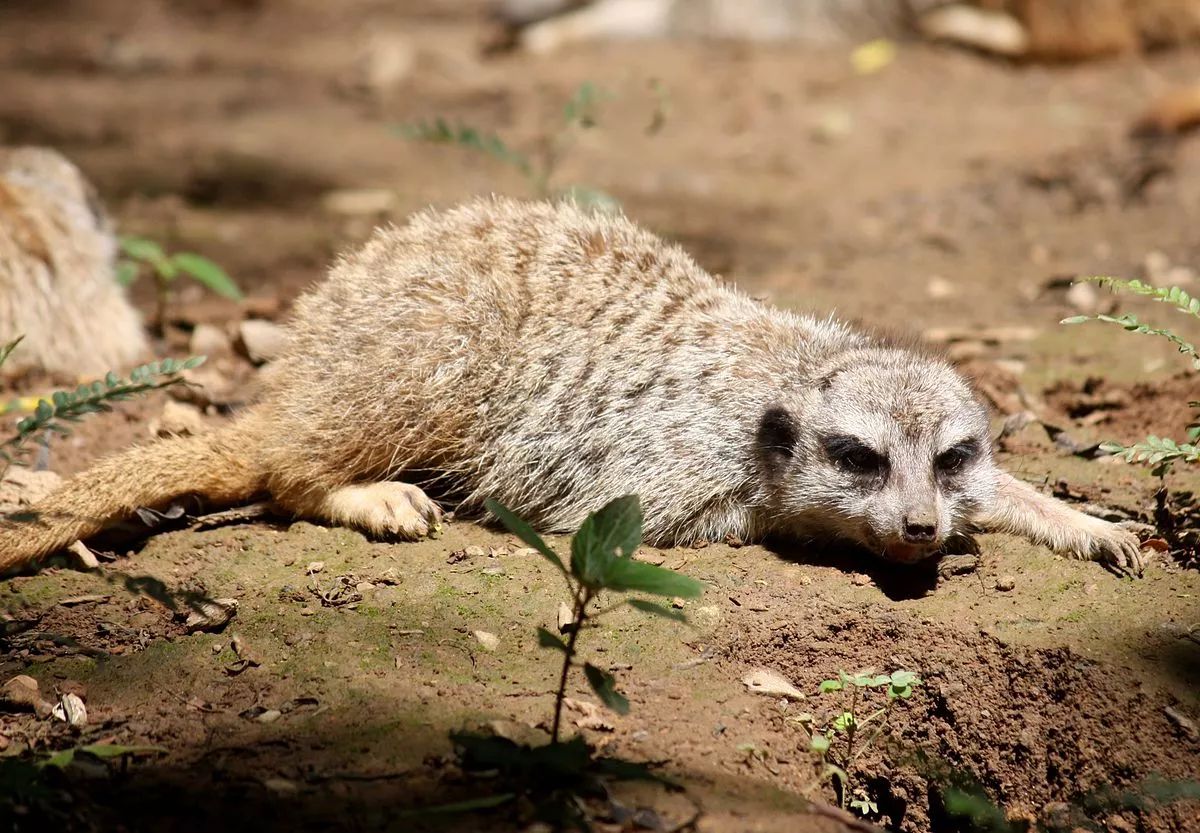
[
  {"x": 140, "y": 248},
  {"x": 904, "y": 678},
  {"x": 64, "y": 758},
  {"x": 1076, "y": 319},
  {"x": 549, "y": 640},
  {"x": 194, "y": 361},
  {"x": 610, "y": 533},
  {"x": 830, "y": 685},
  {"x": 7, "y": 349},
  {"x": 819, "y": 744},
  {"x": 605, "y": 687},
  {"x": 864, "y": 807},
  {"x": 844, "y": 721},
  {"x": 525, "y": 532},
  {"x": 657, "y": 610},
  {"x": 626, "y": 574},
  {"x": 126, "y": 272},
  {"x": 591, "y": 199},
  {"x": 208, "y": 273}
]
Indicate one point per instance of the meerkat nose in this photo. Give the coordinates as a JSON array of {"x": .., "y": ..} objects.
[{"x": 920, "y": 527}]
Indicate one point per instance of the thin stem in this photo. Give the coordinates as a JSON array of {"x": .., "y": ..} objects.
[
  {"x": 887, "y": 712},
  {"x": 578, "y": 616},
  {"x": 162, "y": 296}
]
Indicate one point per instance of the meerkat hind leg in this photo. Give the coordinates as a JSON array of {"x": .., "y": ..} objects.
[
  {"x": 1020, "y": 509},
  {"x": 387, "y": 509}
]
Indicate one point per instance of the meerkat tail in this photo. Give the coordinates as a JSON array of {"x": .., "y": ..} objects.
[{"x": 221, "y": 466}]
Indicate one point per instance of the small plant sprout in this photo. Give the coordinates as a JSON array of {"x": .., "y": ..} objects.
[
  {"x": 554, "y": 777},
  {"x": 1160, "y": 452},
  {"x": 858, "y": 724},
  {"x": 539, "y": 166},
  {"x": 601, "y": 561},
  {"x": 140, "y": 252},
  {"x": 51, "y": 415}
]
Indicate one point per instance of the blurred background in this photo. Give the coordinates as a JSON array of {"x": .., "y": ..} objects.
[{"x": 828, "y": 159}]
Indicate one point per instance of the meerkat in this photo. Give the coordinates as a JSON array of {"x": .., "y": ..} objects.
[
  {"x": 57, "y": 284},
  {"x": 554, "y": 359},
  {"x": 1025, "y": 29}
]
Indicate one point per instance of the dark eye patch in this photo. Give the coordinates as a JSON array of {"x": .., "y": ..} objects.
[
  {"x": 853, "y": 455},
  {"x": 956, "y": 456}
]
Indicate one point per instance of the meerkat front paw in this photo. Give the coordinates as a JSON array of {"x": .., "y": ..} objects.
[
  {"x": 385, "y": 510},
  {"x": 1098, "y": 540}
]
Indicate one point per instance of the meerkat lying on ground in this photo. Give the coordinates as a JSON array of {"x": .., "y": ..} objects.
[
  {"x": 57, "y": 287},
  {"x": 1031, "y": 29},
  {"x": 555, "y": 360}
]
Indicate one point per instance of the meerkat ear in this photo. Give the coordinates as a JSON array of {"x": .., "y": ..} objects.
[{"x": 776, "y": 438}]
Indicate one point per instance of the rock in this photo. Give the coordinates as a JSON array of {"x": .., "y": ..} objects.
[
  {"x": 269, "y": 716},
  {"x": 647, "y": 557},
  {"x": 209, "y": 340},
  {"x": 281, "y": 786},
  {"x": 565, "y": 617},
  {"x": 261, "y": 341},
  {"x": 206, "y": 385},
  {"x": 359, "y": 202},
  {"x": 211, "y": 615},
  {"x": 178, "y": 419},
  {"x": 1083, "y": 297},
  {"x": 21, "y": 487},
  {"x": 772, "y": 683},
  {"x": 938, "y": 288},
  {"x": 1006, "y": 583},
  {"x": 489, "y": 641},
  {"x": 22, "y": 693},
  {"x": 387, "y": 59}
]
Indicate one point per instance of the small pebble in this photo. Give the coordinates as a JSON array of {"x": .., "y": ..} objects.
[{"x": 1005, "y": 583}]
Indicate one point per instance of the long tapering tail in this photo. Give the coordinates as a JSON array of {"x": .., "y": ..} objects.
[{"x": 223, "y": 466}]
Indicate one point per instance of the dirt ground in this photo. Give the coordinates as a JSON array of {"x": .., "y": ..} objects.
[{"x": 945, "y": 194}]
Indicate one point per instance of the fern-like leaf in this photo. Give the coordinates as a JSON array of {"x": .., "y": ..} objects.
[
  {"x": 441, "y": 132},
  {"x": 1130, "y": 323},
  {"x": 50, "y": 414},
  {"x": 1170, "y": 295}
]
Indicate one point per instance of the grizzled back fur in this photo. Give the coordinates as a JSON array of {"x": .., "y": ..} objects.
[{"x": 57, "y": 287}]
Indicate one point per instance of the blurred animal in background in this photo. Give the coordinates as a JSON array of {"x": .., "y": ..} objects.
[
  {"x": 57, "y": 285},
  {"x": 1063, "y": 30}
]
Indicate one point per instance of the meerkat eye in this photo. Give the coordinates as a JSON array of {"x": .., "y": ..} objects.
[
  {"x": 956, "y": 456},
  {"x": 853, "y": 455}
]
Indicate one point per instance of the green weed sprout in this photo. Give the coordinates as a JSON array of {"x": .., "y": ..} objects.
[
  {"x": 51, "y": 415},
  {"x": 579, "y": 113},
  {"x": 841, "y": 743},
  {"x": 555, "y": 775},
  {"x": 140, "y": 252},
  {"x": 1160, "y": 452},
  {"x": 601, "y": 561}
]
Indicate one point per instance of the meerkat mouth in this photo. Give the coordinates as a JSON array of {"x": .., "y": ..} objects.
[{"x": 908, "y": 553}]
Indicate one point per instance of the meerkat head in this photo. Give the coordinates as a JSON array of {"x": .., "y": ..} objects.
[
  {"x": 890, "y": 450},
  {"x": 50, "y": 173}
]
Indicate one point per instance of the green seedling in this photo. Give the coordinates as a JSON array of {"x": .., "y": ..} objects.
[
  {"x": 859, "y": 723},
  {"x": 539, "y": 166},
  {"x": 1160, "y": 452},
  {"x": 143, "y": 255},
  {"x": 554, "y": 776}
]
